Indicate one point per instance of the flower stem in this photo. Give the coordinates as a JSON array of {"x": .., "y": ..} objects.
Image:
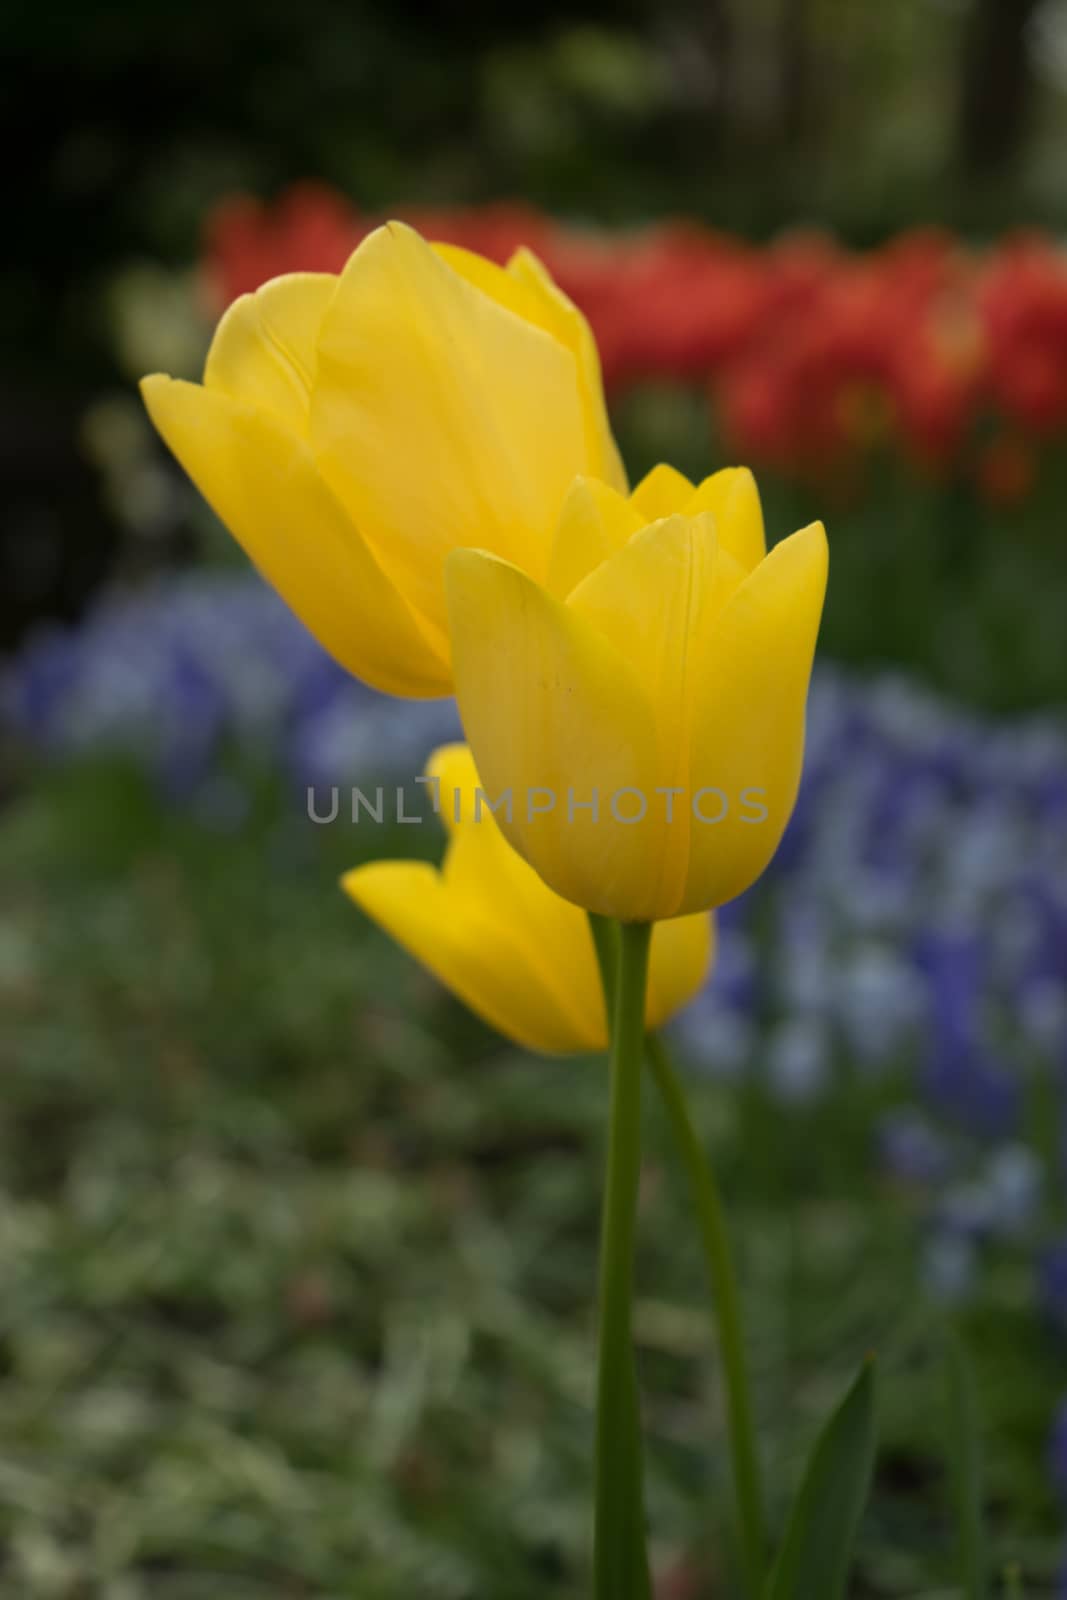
[
  {"x": 718, "y": 1260},
  {"x": 606, "y": 944},
  {"x": 620, "y": 1557}
]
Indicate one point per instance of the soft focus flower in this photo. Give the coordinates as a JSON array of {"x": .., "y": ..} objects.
[
  {"x": 1006, "y": 470},
  {"x": 310, "y": 228},
  {"x": 516, "y": 953},
  {"x": 949, "y": 1265},
  {"x": 646, "y": 709},
  {"x": 1024, "y": 303},
  {"x": 352, "y": 430},
  {"x": 814, "y": 357},
  {"x": 914, "y": 1153}
]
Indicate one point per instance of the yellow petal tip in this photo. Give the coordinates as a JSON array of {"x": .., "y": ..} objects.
[
  {"x": 815, "y": 534},
  {"x": 347, "y": 882},
  {"x": 152, "y": 385}
]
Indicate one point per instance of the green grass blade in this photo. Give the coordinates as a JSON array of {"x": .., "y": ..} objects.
[{"x": 818, "y": 1540}]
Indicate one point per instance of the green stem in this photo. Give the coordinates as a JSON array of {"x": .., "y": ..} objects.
[
  {"x": 606, "y": 944},
  {"x": 715, "y": 1242},
  {"x": 718, "y": 1261},
  {"x": 620, "y": 1557}
]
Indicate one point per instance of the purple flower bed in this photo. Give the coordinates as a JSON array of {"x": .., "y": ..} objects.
[{"x": 194, "y": 670}]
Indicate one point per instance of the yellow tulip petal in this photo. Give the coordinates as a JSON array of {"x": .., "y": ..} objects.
[
  {"x": 455, "y": 783},
  {"x": 527, "y": 288},
  {"x": 550, "y": 934},
  {"x": 488, "y": 908},
  {"x": 495, "y": 281},
  {"x": 561, "y": 317},
  {"x": 556, "y": 715},
  {"x": 260, "y": 479},
  {"x": 748, "y": 718},
  {"x": 661, "y": 492},
  {"x": 648, "y": 600},
  {"x": 655, "y": 601},
  {"x": 483, "y": 868},
  {"x": 554, "y": 933},
  {"x": 263, "y": 352},
  {"x": 441, "y": 418},
  {"x": 733, "y": 499},
  {"x": 458, "y": 794},
  {"x": 595, "y": 522},
  {"x": 679, "y": 961},
  {"x": 475, "y": 956}
]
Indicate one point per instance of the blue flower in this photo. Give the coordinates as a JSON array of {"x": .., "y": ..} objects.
[{"x": 912, "y": 1149}]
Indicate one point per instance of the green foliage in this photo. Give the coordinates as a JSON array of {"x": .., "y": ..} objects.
[
  {"x": 299, "y": 1260},
  {"x": 817, "y": 1546}
]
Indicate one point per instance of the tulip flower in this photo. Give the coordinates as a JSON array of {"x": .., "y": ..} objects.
[
  {"x": 351, "y": 430},
  {"x": 644, "y": 711},
  {"x": 492, "y": 932}
]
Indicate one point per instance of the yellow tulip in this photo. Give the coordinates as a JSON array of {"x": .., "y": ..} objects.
[
  {"x": 491, "y": 931},
  {"x": 351, "y": 430},
  {"x": 644, "y": 709}
]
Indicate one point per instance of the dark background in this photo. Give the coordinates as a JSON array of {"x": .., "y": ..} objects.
[{"x": 124, "y": 122}]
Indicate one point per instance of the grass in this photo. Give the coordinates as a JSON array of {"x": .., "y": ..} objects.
[{"x": 299, "y": 1260}]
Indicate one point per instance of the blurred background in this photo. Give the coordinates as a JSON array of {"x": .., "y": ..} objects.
[{"x": 298, "y": 1259}]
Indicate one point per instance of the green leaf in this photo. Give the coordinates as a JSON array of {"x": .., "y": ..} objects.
[
  {"x": 965, "y": 1464},
  {"x": 815, "y": 1553},
  {"x": 1013, "y": 1583}
]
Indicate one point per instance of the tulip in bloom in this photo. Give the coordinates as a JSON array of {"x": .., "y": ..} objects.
[
  {"x": 646, "y": 707},
  {"x": 516, "y": 953},
  {"x": 351, "y": 430}
]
